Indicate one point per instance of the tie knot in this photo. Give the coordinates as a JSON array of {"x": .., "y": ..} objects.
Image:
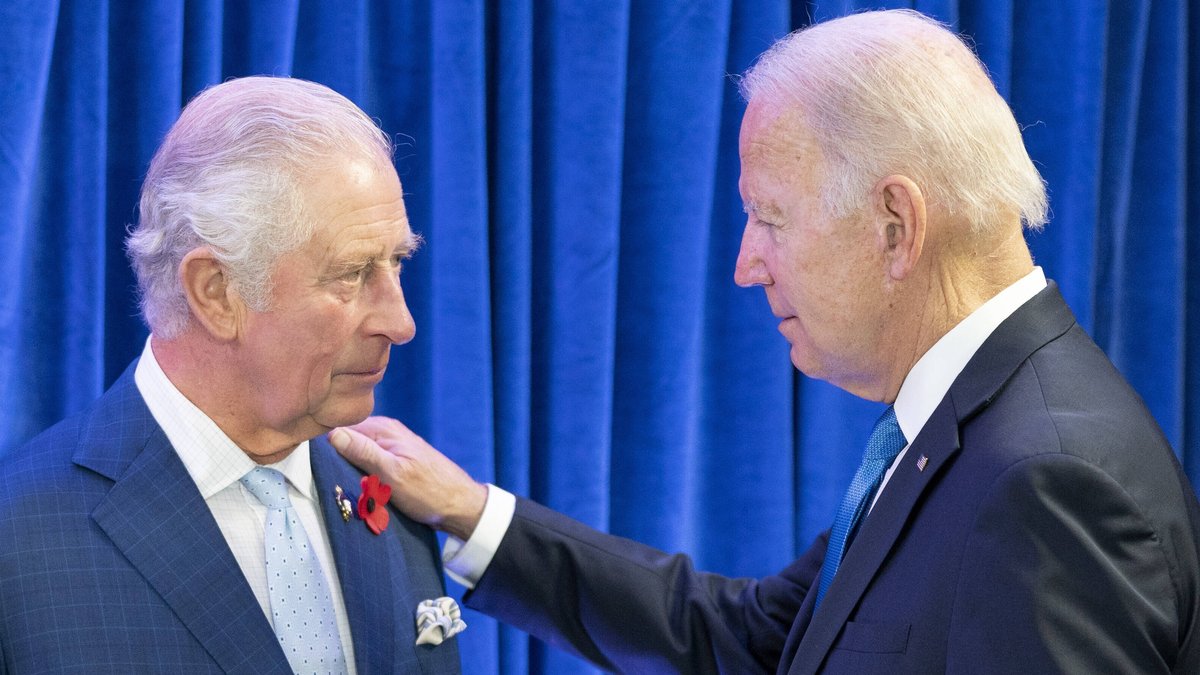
[
  {"x": 886, "y": 438},
  {"x": 268, "y": 486}
]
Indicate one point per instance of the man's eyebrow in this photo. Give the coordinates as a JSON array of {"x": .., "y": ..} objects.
[
  {"x": 752, "y": 207},
  {"x": 410, "y": 245},
  {"x": 363, "y": 257},
  {"x": 349, "y": 264}
]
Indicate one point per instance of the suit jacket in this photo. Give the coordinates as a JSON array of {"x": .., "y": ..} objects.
[
  {"x": 111, "y": 562},
  {"x": 1049, "y": 528}
]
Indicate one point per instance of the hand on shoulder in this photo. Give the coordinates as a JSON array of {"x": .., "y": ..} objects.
[{"x": 426, "y": 485}]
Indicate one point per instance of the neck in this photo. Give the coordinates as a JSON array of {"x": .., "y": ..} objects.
[
  {"x": 206, "y": 373},
  {"x": 947, "y": 290}
]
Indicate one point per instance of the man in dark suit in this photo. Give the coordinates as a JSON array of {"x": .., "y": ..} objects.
[
  {"x": 1017, "y": 509},
  {"x": 185, "y": 522}
]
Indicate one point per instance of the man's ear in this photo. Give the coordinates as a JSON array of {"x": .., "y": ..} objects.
[
  {"x": 900, "y": 206},
  {"x": 216, "y": 307}
]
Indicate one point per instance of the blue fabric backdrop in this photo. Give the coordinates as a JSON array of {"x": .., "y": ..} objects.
[{"x": 573, "y": 167}]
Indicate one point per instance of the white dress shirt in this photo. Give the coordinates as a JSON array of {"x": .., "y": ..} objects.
[
  {"x": 923, "y": 389},
  {"x": 217, "y": 464}
]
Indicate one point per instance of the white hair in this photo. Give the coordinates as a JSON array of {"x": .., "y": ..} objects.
[
  {"x": 895, "y": 92},
  {"x": 230, "y": 176}
]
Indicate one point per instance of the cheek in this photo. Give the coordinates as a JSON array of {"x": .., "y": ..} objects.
[
  {"x": 319, "y": 384},
  {"x": 819, "y": 296},
  {"x": 333, "y": 345},
  {"x": 804, "y": 283},
  {"x": 311, "y": 348},
  {"x": 321, "y": 369}
]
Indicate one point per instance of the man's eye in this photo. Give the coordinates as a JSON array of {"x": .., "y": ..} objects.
[{"x": 355, "y": 276}]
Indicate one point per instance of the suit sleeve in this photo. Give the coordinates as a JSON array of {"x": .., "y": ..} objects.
[
  {"x": 1063, "y": 573},
  {"x": 628, "y": 607}
]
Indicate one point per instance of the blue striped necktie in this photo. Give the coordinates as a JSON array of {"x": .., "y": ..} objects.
[{"x": 885, "y": 443}]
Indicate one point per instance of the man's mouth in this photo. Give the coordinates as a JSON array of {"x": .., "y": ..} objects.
[{"x": 374, "y": 370}]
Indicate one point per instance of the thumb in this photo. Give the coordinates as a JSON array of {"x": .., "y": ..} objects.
[{"x": 358, "y": 449}]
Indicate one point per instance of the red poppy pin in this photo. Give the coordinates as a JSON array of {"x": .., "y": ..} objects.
[{"x": 372, "y": 505}]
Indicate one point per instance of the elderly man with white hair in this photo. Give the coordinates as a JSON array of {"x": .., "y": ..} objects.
[
  {"x": 1016, "y": 510},
  {"x": 194, "y": 519}
]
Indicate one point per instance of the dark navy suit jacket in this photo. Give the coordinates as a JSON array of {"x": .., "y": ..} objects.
[
  {"x": 111, "y": 562},
  {"x": 1048, "y": 529}
]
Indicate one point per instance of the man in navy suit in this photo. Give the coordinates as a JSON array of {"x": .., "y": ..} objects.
[
  {"x": 194, "y": 519},
  {"x": 1018, "y": 511}
]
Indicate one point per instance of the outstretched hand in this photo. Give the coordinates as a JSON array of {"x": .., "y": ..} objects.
[{"x": 426, "y": 485}]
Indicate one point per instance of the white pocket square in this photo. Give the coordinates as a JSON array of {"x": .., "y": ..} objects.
[{"x": 438, "y": 620}]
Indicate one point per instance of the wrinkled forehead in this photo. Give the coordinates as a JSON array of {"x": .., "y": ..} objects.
[
  {"x": 773, "y": 133},
  {"x": 360, "y": 201}
]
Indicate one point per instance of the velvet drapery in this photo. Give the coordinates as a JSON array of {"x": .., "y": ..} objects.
[{"x": 573, "y": 167}]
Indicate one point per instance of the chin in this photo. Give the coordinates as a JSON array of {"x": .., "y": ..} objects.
[
  {"x": 346, "y": 412},
  {"x": 803, "y": 362},
  {"x": 811, "y": 367}
]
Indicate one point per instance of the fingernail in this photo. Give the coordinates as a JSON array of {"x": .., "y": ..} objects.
[{"x": 340, "y": 439}]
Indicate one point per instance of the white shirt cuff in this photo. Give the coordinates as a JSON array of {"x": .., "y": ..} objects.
[{"x": 466, "y": 562}]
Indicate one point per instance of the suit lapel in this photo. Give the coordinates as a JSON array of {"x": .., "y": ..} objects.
[
  {"x": 157, "y": 518},
  {"x": 383, "y": 577},
  {"x": 937, "y": 443},
  {"x": 364, "y": 562},
  {"x": 1037, "y": 322}
]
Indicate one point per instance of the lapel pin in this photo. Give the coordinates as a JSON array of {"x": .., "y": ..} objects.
[
  {"x": 343, "y": 504},
  {"x": 921, "y": 462},
  {"x": 372, "y": 505}
]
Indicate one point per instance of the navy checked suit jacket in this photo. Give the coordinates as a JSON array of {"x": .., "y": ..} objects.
[
  {"x": 111, "y": 562},
  {"x": 1048, "y": 529}
]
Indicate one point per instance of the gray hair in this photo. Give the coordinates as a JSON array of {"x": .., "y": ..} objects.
[
  {"x": 230, "y": 176},
  {"x": 896, "y": 92}
]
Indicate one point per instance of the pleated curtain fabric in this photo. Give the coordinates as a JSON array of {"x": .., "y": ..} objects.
[{"x": 573, "y": 169}]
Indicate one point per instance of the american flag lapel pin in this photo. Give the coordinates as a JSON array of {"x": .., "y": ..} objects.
[{"x": 921, "y": 462}]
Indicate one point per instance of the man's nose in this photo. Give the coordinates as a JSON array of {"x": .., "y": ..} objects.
[
  {"x": 750, "y": 270},
  {"x": 392, "y": 318}
]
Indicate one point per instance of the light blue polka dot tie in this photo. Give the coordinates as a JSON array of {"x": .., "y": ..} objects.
[
  {"x": 885, "y": 443},
  {"x": 301, "y": 607}
]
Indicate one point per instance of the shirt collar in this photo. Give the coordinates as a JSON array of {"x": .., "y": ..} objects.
[
  {"x": 929, "y": 380},
  {"x": 212, "y": 459}
]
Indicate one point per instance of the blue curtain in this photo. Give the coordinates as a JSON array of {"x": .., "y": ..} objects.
[{"x": 573, "y": 168}]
